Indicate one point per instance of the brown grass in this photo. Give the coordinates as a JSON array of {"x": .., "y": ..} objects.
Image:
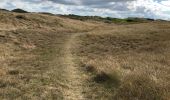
[
  {"x": 118, "y": 62},
  {"x": 138, "y": 53},
  {"x": 30, "y": 54},
  {"x": 36, "y": 21}
]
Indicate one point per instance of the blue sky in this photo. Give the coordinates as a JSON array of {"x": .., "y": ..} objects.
[{"x": 157, "y": 9}]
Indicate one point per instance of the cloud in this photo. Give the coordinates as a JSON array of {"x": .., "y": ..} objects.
[
  {"x": 112, "y": 8},
  {"x": 87, "y": 2}
]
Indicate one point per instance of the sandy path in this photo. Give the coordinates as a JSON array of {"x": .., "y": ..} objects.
[{"x": 72, "y": 74}]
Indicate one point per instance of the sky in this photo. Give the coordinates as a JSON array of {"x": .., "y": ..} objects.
[{"x": 156, "y": 9}]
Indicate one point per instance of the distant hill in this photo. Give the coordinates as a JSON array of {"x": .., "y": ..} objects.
[
  {"x": 3, "y": 9},
  {"x": 47, "y": 13},
  {"x": 108, "y": 19},
  {"x": 19, "y": 11}
]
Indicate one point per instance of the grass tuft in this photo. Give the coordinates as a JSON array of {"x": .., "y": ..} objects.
[
  {"x": 108, "y": 79},
  {"x": 13, "y": 72},
  {"x": 139, "y": 87},
  {"x": 21, "y": 17}
]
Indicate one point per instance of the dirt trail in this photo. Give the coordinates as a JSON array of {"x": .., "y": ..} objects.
[
  {"x": 11, "y": 29},
  {"x": 72, "y": 73}
]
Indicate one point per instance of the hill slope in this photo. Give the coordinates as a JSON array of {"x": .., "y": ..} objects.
[
  {"x": 41, "y": 21},
  {"x": 31, "y": 55},
  {"x": 52, "y": 57}
]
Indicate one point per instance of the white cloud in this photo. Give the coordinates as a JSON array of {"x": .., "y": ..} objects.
[{"x": 113, "y": 8}]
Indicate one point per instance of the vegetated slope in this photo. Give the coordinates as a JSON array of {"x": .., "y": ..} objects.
[
  {"x": 128, "y": 62},
  {"x": 130, "y": 20},
  {"x": 50, "y": 57},
  {"x": 41, "y": 21},
  {"x": 32, "y": 49}
]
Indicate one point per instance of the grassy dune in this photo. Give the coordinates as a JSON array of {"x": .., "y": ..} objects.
[
  {"x": 132, "y": 59},
  {"x": 31, "y": 47},
  {"x": 56, "y": 58}
]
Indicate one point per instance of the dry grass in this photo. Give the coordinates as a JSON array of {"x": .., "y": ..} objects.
[
  {"x": 136, "y": 55},
  {"x": 36, "y": 21},
  {"x": 30, "y": 54},
  {"x": 120, "y": 62}
]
